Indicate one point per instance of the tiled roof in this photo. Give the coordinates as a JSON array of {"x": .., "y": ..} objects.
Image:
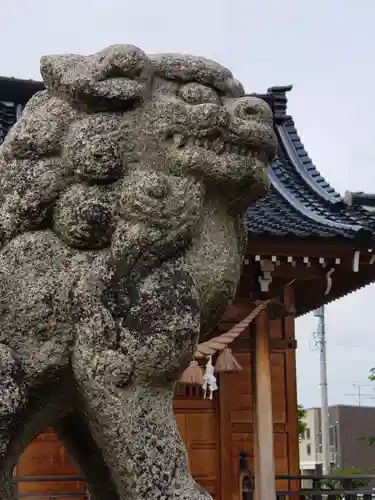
[
  {"x": 7, "y": 118},
  {"x": 17, "y": 90},
  {"x": 300, "y": 201}
]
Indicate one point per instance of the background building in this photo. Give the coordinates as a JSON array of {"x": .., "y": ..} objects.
[{"x": 347, "y": 425}]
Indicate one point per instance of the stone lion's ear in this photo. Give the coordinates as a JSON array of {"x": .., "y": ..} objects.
[
  {"x": 48, "y": 69},
  {"x": 59, "y": 71},
  {"x": 113, "y": 79},
  {"x": 123, "y": 61}
]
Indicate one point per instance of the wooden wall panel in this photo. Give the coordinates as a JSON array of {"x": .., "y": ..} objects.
[
  {"x": 237, "y": 420},
  {"x": 198, "y": 425},
  {"x": 276, "y": 329},
  {"x": 181, "y": 424},
  {"x": 278, "y": 373},
  {"x": 46, "y": 456}
]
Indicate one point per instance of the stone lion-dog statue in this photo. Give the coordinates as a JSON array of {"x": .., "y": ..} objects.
[{"x": 123, "y": 188}]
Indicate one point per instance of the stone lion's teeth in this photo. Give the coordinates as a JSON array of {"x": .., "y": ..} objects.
[
  {"x": 216, "y": 145},
  {"x": 179, "y": 140}
]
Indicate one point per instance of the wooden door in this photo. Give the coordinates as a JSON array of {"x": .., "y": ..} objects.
[
  {"x": 46, "y": 456},
  {"x": 198, "y": 425},
  {"x": 237, "y": 422}
]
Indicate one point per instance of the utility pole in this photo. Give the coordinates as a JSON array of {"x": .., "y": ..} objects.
[
  {"x": 321, "y": 341},
  {"x": 359, "y": 394}
]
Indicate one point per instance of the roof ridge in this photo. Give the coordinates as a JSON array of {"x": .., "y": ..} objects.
[
  {"x": 279, "y": 100},
  {"x": 304, "y": 165},
  {"x": 298, "y": 158},
  {"x": 309, "y": 203},
  {"x": 296, "y": 152},
  {"x": 15, "y": 79}
]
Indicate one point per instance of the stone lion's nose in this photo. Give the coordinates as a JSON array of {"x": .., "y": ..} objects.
[
  {"x": 251, "y": 119},
  {"x": 251, "y": 108}
]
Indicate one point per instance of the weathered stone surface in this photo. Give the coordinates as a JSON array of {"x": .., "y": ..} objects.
[
  {"x": 115, "y": 78},
  {"x": 33, "y": 136},
  {"x": 84, "y": 216},
  {"x": 92, "y": 149},
  {"x": 122, "y": 191}
]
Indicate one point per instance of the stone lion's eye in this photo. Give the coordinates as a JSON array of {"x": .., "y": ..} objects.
[{"x": 195, "y": 93}]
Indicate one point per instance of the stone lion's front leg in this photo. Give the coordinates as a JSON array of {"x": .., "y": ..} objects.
[
  {"x": 127, "y": 388},
  {"x": 12, "y": 402}
]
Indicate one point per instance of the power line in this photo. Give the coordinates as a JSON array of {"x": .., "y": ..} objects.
[{"x": 358, "y": 395}]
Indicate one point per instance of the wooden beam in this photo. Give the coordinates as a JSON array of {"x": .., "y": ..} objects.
[
  {"x": 316, "y": 270},
  {"x": 265, "y": 487},
  {"x": 307, "y": 247},
  {"x": 300, "y": 272},
  {"x": 287, "y": 271},
  {"x": 313, "y": 296},
  {"x": 242, "y": 345}
]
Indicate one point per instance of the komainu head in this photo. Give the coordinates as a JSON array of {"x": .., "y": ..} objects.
[{"x": 121, "y": 140}]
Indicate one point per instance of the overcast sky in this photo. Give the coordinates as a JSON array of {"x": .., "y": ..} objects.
[{"x": 325, "y": 48}]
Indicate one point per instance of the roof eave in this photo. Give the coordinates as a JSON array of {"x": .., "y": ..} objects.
[{"x": 17, "y": 90}]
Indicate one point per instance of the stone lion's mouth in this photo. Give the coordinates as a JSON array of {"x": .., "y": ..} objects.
[{"x": 215, "y": 143}]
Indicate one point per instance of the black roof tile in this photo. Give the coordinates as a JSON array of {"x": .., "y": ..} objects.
[
  {"x": 300, "y": 201},
  {"x": 17, "y": 90},
  {"x": 8, "y": 115}
]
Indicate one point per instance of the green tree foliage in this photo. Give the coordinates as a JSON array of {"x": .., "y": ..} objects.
[
  {"x": 346, "y": 472},
  {"x": 302, "y": 425},
  {"x": 369, "y": 439}
]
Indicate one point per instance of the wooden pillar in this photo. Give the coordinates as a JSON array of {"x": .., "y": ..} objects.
[
  {"x": 291, "y": 392},
  {"x": 264, "y": 458}
]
